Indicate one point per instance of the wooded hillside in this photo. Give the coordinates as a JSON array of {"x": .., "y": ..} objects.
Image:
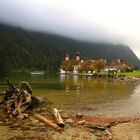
[{"x": 21, "y": 49}]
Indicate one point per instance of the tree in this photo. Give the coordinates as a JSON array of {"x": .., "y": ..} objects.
[
  {"x": 67, "y": 66},
  {"x": 99, "y": 64},
  {"x": 86, "y": 66},
  {"x": 124, "y": 67}
]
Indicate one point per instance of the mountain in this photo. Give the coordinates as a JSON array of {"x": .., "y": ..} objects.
[{"x": 21, "y": 49}]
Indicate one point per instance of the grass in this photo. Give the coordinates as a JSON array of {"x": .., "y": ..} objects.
[
  {"x": 135, "y": 73},
  {"x": 131, "y": 74}
]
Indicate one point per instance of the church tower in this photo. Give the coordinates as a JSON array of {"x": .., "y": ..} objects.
[
  {"x": 77, "y": 56},
  {"x": 67, "y": 57}
]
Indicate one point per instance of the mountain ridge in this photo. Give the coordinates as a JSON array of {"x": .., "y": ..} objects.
[{"x": 24, "y": 49}]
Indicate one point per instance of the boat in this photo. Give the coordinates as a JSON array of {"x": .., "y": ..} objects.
[
  {"x": 37, "y": 72},
  {"x": 78, "y": 74}
]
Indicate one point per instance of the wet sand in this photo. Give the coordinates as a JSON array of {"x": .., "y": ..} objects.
[{"x": 122, "y": 128}]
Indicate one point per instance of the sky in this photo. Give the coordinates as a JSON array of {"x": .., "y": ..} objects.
[{"x": 114, "y": 21}]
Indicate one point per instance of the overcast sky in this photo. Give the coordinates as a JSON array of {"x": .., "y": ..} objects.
[{"x": 116, "y": 21}]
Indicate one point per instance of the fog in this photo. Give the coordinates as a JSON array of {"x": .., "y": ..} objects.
[{"x": 115, "y": 21}]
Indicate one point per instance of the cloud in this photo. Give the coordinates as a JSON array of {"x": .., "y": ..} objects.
[{"x": 115, "y": 21}]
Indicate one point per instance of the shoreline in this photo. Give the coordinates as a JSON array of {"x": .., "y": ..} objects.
[
  {"x": 76, "y": 127},
  {"x": 119, "y": 77},
  {"x": 92, "y": 128}
]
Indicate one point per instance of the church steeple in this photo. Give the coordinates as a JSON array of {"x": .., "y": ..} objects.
[
  {"x": 78, "y": 56},
  {"x": 67, "y": 57}
]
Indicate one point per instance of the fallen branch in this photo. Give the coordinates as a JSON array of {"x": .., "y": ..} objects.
[
  {"x": 11, "y": 85},
  {"x": 109, "y": 134},
  {"x": 95, "y": 126},
  {"x": 48, "y": 122},
  {"x": 57, "y": 117}
]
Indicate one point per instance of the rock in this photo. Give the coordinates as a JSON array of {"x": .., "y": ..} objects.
[
  {"x": 43, "y": 109},
  {"x": 24, "y": 127},
  {"x": 14, "y": 125},
  {"x": 82, "y": 122},
  {"x": 65, "y": 116},
  {"x": 60, "y": 110},
  {"x": 79, "y": 115},
  {"x": 69, "y": 121},
  {"x": 42, "y": 100},
  {"x": 34, "y": 121},
  {"x": 22, "y": 116}
]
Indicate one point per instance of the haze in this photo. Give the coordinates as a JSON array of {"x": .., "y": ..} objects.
[{"x": 115, "y": 21}]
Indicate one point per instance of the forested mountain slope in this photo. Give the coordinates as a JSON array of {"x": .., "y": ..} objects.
[{"x": 21, "y": 49}]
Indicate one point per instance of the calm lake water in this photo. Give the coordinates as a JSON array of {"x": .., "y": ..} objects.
[{"x": 87, "y": 95}]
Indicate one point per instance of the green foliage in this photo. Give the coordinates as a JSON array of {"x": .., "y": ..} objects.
[{"x": 135, "y": 73}]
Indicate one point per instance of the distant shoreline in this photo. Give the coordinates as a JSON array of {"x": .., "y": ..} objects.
[{"x": 118, "y": 77}]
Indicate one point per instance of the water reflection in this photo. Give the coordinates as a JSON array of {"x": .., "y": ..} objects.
[
  {"x": 97, "y": 88},
  {"x": 101, "y": 96},
  {"x": 71, "y": 83},
  {"x": 136, "y": 91},
  {"x": 37, "y": 77},
  {"x": 85, "y": 93}
]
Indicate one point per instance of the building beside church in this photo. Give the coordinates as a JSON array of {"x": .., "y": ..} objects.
[{"x": 78, "y": 66}]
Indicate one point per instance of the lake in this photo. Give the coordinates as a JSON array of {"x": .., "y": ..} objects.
[{"x": 84, "y": 94}]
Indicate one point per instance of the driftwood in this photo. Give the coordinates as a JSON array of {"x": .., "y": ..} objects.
[
  {"x": 48, "y": 122},
  {"x": 17, "y": 100},
  {"x": 57, "y": 117},
  {"x": 11, "y": 85},
  {"x": 95, "y": 126},
  {"x": 22, "y": 102},
  {"x": 26, "y": 86}
]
